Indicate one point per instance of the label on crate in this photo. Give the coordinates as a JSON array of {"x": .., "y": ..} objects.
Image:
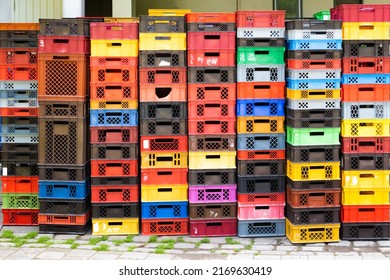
[
  {"x": 146, "y": 144},
  {"x": 5, "y": 171}
]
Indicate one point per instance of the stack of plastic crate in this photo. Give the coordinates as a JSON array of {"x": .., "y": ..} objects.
[
  {"x": 19, "y": 122},
  {"x": 260, "y": 123},
  {"x": 114, "y": 127},
  {"x": 365, "y": 121},
  {"x": 313, "y": 118},
  {"x": 63, "y": 157},
  {"x": 163, "y": 125},
  {"x": 211, "y": 121}
]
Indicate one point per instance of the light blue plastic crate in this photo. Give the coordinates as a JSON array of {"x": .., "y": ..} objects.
[
  {"x": 314, "y": 44},
  {"x": 365, "y": 110},
  {"x": 313, "y": 84},
  {"x": 261, "y": 142},
  {"x": 18, "y": 103},
  {"x": 20, "y": 129},
  {"x": 260, "y": 107},
  {"x": 261, "y": 228},
  {"x": 64, "y": 189},
  {"x": 18, "y": 85},
  {"x": 366, "y": 79},
  {"x": 18, "y": 94},
  {"x": 160, "y": 210},
  {"x": 114, "y": 117}
]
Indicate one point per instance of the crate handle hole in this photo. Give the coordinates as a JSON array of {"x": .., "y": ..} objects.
[
  {"x": 262, "y": 153},
  {"x": 213, "y": 105},
  {"x": 262, "y": 87},
  {"x": 366, "y": 210},
  {"x": 164, "y": 190},
  {"x": 212, "y": 37},
  {"x": 315, "y": 229},
  {"x": 164, "y": 158},
  {"x": 163, "y": 38},
  {"x": 114, "y": 190},
  {"x": 317, "y": 133},
  {"x": 213, "y": 88},
  {"x": 113, "y": 71},
  {"x": 261, "y": 207},
  {"x": 262, "y": 138},
  {"x": 262, "y": 104},
  {"x": 262, "y": 69},
  {"x": 213, "y": 224},
  {"x": 261, "y": 121},
  {"x": 213, "y": 191},
  {"x": 113, "y": 87},
  {"x": 365, "y": 89},
  {"x": 163, "y": 92},
  {"x": 366, "y": 193},
  {"x": 116, "y": 44},
  {"x": 261, "y": 224},
  {"x": 165, "y": 206},
  {"x": 213, "y": 156},
  {"x": 164, "y": 173},
  {"x": 212, "y": 54},
  {"x": 367, "y": 144},
  {"x": 317, "y": 194},
  {"x": 61, "y": 41},
  {"x": 366, "y": 176},
  {"x": 115, "y": 223}
]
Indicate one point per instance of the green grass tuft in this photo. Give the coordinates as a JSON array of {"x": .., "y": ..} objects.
[
  {"x": 44, "y": 240},
  {"x": 129, "y": 239},
  {"x": 96, "y": 240},
  {"x": 69, "y": 241},
  {"x": 166, "y": 246},
  {"x": 168, "y": 240},
  {"x": 7, "y": 234},
  {"x": 30, "y": 235},
  {"x": 152, "y": 239},
  {"x": 74, "y": 246},
  {"x": 180, "y": 239},
  {"x": 131, "y": 248},
  {"x": 19, "y": 241},
  {"x": 102, "y": 247},
  {"x": 248, "y": 247},
  {"x": 230, "y": 241},
  {"x": 159, "y": 251}
]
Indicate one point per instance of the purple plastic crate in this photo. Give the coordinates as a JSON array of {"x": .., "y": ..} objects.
[{"x": 225, "y": 193}]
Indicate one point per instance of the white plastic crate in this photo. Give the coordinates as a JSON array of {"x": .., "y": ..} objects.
[
  {"x": 304, "y": 104},
  {"x": 261, "y": 73},
  {"x": 314, "y": 34},
  {"x": 314, "y": 74},
  {"x": 365, "y": 110},
  {"x": 260, "y": 32}
]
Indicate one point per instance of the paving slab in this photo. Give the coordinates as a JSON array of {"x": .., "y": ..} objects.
[
  {"x": 240, "y": 257},
  {"x": 232, "y": 247},
  {"x": 63, "y": 246},
  {"x": 208, "y": 246},
  {"x": 133, "y": 256},
  {"x": 140, "y": 238},
  {"x": 297, "y": 257},
  {"x": 117, "y": 237},
  {"x": 265, "y": 241},
  {"x": 341, "y": 243},
  {"x": 81, "y": 254},
  {"x": 52, "y": 254},
  {"x": 384, "y": 243},
  {"x": 36, "y": 245},
  {"x": 7, "y": 244},
  {"x": 86, "y": 247},
  {"x": 105, "y": 256},
  {"x": 184, "y": 246},
  {"x": 263, "y": 247},
  {"x": 65, "y": 236},
  {"x": 301, "y": 253},
  {"x": 217, "y": 240},
  {"x": 188, "y": 256},
  {"x": 224, "y": 252},
  {"x": 199, "y": 252},
  {"x": 320, "y": 258},
  {"x": 174, "y": 252},
  {"x": 287, "y": 248},
  {"x": 160, "y": 257},
  {"x": 144, "y": 250},
  {"x": 267, "y": 257},
  {"x": 364, "y": 244},
  {"x": 280, "y": 253},
  {"x": 384, "y": 249},
  {"x": 313, "y": 249},
  {"x": 49, "y": 235},
  {"x": 373, "y": 256}
]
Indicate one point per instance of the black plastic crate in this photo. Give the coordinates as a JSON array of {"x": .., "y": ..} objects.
[
  {"x": 211, "y": 75},
  {"x": 261, "y": 42},
  {"x": 313, "y": 153},
  {"x": 115, "y": 210},
  {"x": 163, "y": 110},
  {"x": 16, "y": 157},
  {"x": 67, "y": 26},
  {"x": 115, "y": 151},
  {"x": 299, "y": 216},
  {"x": 315, "y": 54},
  {"x": 365, "y": 231},
  {"x": 211, "y": 27},
  {"x": 212, "y": 177},
  {"x": 313, "y": 123},
  {"x": 64, "y": 172},
  {"x": 212, "y": 143},
  {"x": 261, "y": 167},
  {"x": 366, "y": 48},
  {"x": 114, "y": 181},
  {"x": 163, "y": 127},
  {"x": 19, "y": 169},
  {"x": 64, "y": 206},
  {"x": 263, "y": 184},
  {"x": 313, "y": 114},
  {"x": 378, "y": 161},
  {"x": 163, "y": 58},
  {"x": 314, "y": 185},
  {"x": 162, "y": 24},
  {"x": 65, "y": 229},
  {"x": 313, "y": 24}
]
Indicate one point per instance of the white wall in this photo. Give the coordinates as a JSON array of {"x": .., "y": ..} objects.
[
  {"x": 122, "y": 8},
  {"x": 6, "y": 11},
  {"x": 32, "y": 10}
]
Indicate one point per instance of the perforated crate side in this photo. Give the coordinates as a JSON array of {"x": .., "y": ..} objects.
[
  {"x": 64, "y": 172},
  {"x": 164, "y": 192},
  {"x": 266, "y": 73},
  {"x": 163, "y": 127},
  {"x": 164, "y": 210},
  {"x": 162, "y": 24},
  {"x": 163, "y": 111},
  {"x": 261, "y": 185},
  {"x": 64, "y": 229},
  {"x": 115, "y": 226},
  {"x": 115, "y": 210},
  {"x": 314, "y": 198},
  {"x": 212, "y": 211},
  {"x": 162, "y": 58},
  {"x": 207, "y": 194},
  {"x": 360, "y": 231},
  {"x": 365, "y": 145},
  {"x": 261, "y": 228},
  {"x": 64, "y": 206},
  {"x": 312, "y": 233},
  {"x": 216, "y": 227},
  {"x": 313, "y": 154},
  {"x": 296, "y": 216},
  {"x": 212, "y": 177},
  {"x": 366, "y": 161},
  {"x": 114, "y": 193},
  {"x": 64, "y": 190},
  {"x": 165, "y": 226},
  {"x": 209, "y": 143},
  {"x": 255, "y": 142}
]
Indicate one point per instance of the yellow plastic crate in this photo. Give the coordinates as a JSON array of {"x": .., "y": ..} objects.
[
  {"x": 212, "y": 160},
  {"x": 162, "y": 41},
  {"x": 313, "y": 94},
  {"x": 312, "y": 233},
  {"x": 122, "y": 105},
  {"x": 366, "y": 178},
  {"x": 168, "y": 12},
  {"x": 160, "y": 193},
  {"x": 115, "y": 226},
  {"x": 366, "y": 30},
  {"x": 313, "y": 171},
  {"x": 164, "y": 160},
  {"x": 115, "y": 48},
  {"x": 365, "y": 195},
  {"x": 260, "y": 125},
  {"x": 365, "y": 128}
]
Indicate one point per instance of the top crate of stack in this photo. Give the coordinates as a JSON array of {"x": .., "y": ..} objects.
[
  {"x": 66, "y": 27},
  {"x": 260, "y": 19},
  {"x": 361, "y": 13},
  {"x": 114, "y": 30},
  {"x": 162, "y": 24}
]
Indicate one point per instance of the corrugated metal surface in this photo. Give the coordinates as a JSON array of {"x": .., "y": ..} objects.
[{"x": 32, "y": 10}]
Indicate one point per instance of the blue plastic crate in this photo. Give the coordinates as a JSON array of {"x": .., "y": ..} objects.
[
  {"x": 64, "y": 189},
  {"x": 261, "y": 228},
  {"x": 20, "y": 129},
  {"x": 260, "y": 107},
  {"x": 114, "y": 117},
  {"x": 261, "y": 142},
  {"x": 366, "y": 79},
  {"x": 313, "y": 84},
  {"x": 159, "y": 210},
  {"x": 18, "y": 94},
  {"x": 314, "y": 44}
]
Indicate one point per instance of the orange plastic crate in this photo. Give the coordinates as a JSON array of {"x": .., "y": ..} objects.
[
  {"x": 114, "y": 194},
  {"x": 365, "y": 93},
  {"x": 368, "y": 145},
  {"x": 113, "y": 61},
  {"x": 211, "y": 17},
  {"x": 114, "y": 135},
  {"x": 19, "y": 112},
  {"x": 50, "y": 219},
  {"x": 114, "y": 74},
  {"x": 366, "y": 65},
  {"x": 164, "y": 176},
  {"x": 165, "y": 226},
  {"x": 365, "y": 214},
  {"x": 64, "y": 44},
  {"x": 114, "y": 91},
  {"x": 19, "y": 184},
  {"x": 114, "y": 30},
  {"x": 165, "y": 76},
  {"x": 260, "y": 155},
  {"x": 18, "y": 72},
  {"x": 211, "y": 92},
  {"x": 261, "y": 90},
  {"x": 164, "y": 143},
  {"x": 212, "y": 109},
  {"x": 104, "y": 168},
  {"x": 19, "y": 26},
  {"x": 18, "y": 56},
  {"x": 204, "y": 126},
  {"x": 313, "y": 64},
  {"x": 20, "y": 217},
  {"x": 260, "y": 19}
]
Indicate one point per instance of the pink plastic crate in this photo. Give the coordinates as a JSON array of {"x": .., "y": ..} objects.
[
  {"x": 253, "y": 211},
  {"x": 226, "y": 193}
]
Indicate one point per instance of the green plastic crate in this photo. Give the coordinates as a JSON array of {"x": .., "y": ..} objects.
[
  {"x": 313, "y": 136},
  {"x": 322, "y": 15},
  {"x": 20, "y": 201},
  {"x": 260, "y": 55}
]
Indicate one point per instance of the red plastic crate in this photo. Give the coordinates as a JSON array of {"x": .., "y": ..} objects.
[
  {"x": 164, "y": 143},
  {"x": 114, "y": 91},
  {"x": 365, "y": 214},
  {"x": 313, "y": 64},
  {"x": 114, "y": 74},
  {"x": 366, "y": 65},
  {"x": 211, "y": 41},
  {"x": 105, "y": 168},
  {"x": 18, "y": 56},
  {"x": 365, "y": 145},
  {"x": 18, "y": 72},
  {"x": 163, "y": 92},
  {"x": 64, "y": 44},
  {"x": 165, "y": 76},
  {"x": 361, "y": 13},
  {"x": 20, "y": 217},
  {"x": 19, "y": 112},
  {"x": 365, "y": 92},
  {"x": 211, "y": 17},
  {"x": 58, "y": 219},
  {"x": 113, "y": 30},
  {"x": 202, "y": 58},
  {"x": 166, "y": 176},
  {"x": 114, "y": 194},
  {"x": 19, "y": 184},
  {"x": 211, "y": 92},
  {"x": 114, "y": 135},
  {"x": 225, "y": 227},
  {"x": 164, "y": 226},
  {"x": 113, "y": 61},
  {"x": 260, "y": 19},
  {"x": 201, "y": 126},
  {"x": 260, "y": 155},
  {"x": 262, "y": 198},
  {"x": 261, "y": 90},
  {"x": 255, "y": 211},
  {"x": 220, "y": 109}
]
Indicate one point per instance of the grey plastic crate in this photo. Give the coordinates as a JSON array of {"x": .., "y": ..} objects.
[
  {"x": 321, "y": 153},
  {"x": 313, "y": 114},
  {"x": 366, "y": 162},
  {"x": 211, "y": 27},
  {"x": 314, "y": 74},
  {"x": 162, "y": 24},
  {"x": 18, "y": 85},
  {"x": 322, "y": 104},
  {"x": 19, "y": 94},
  {"x": 312, "y": 24},
  {"x": 163, "y": 110},
  {"x": 366, "y": 110},
  {"x": 20, "y": 129},
  {"x": 262, "y": 228},
  {"x": 261, "y": 141},
  {"x": 260, "y": 32},
  {"x": 23, "y": 139},
  {"x": 366, "y": 48},
  {"x": 163, "y": 127},
  {"x": 163, "y": 58},
  {"x": 261, "y": 184},
  {"x": 19, "y": 103},
  {"x": 313, "y": 123},
  {"x": 261, "y": 167},
  {"x": 263, "y": 73}
]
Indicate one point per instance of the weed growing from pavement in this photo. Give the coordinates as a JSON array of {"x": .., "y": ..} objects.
[
  {"x": 96, "y": 240},
  {"x": 152, "y": 239},
  {"x": 7, "y": 234},
  {"x": 180, "y": 239},
  {"x": 45, "y": 240},
  {"x": 248, "y": 247},
  {"x": 230, "y": 241},
  {"x": 169, "y": 240},
  {"x": 31, "y": 235},
  {"x": 69, "y": 241},
  {"x": 102, "y": 247},
  {"x": 19, "y": 241},
  {"x": 74, "y": 246},
  {"x": 159, "y": 251},
  {"x": 131, "y": 248},
  {"x": 166, "y": 246}
]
